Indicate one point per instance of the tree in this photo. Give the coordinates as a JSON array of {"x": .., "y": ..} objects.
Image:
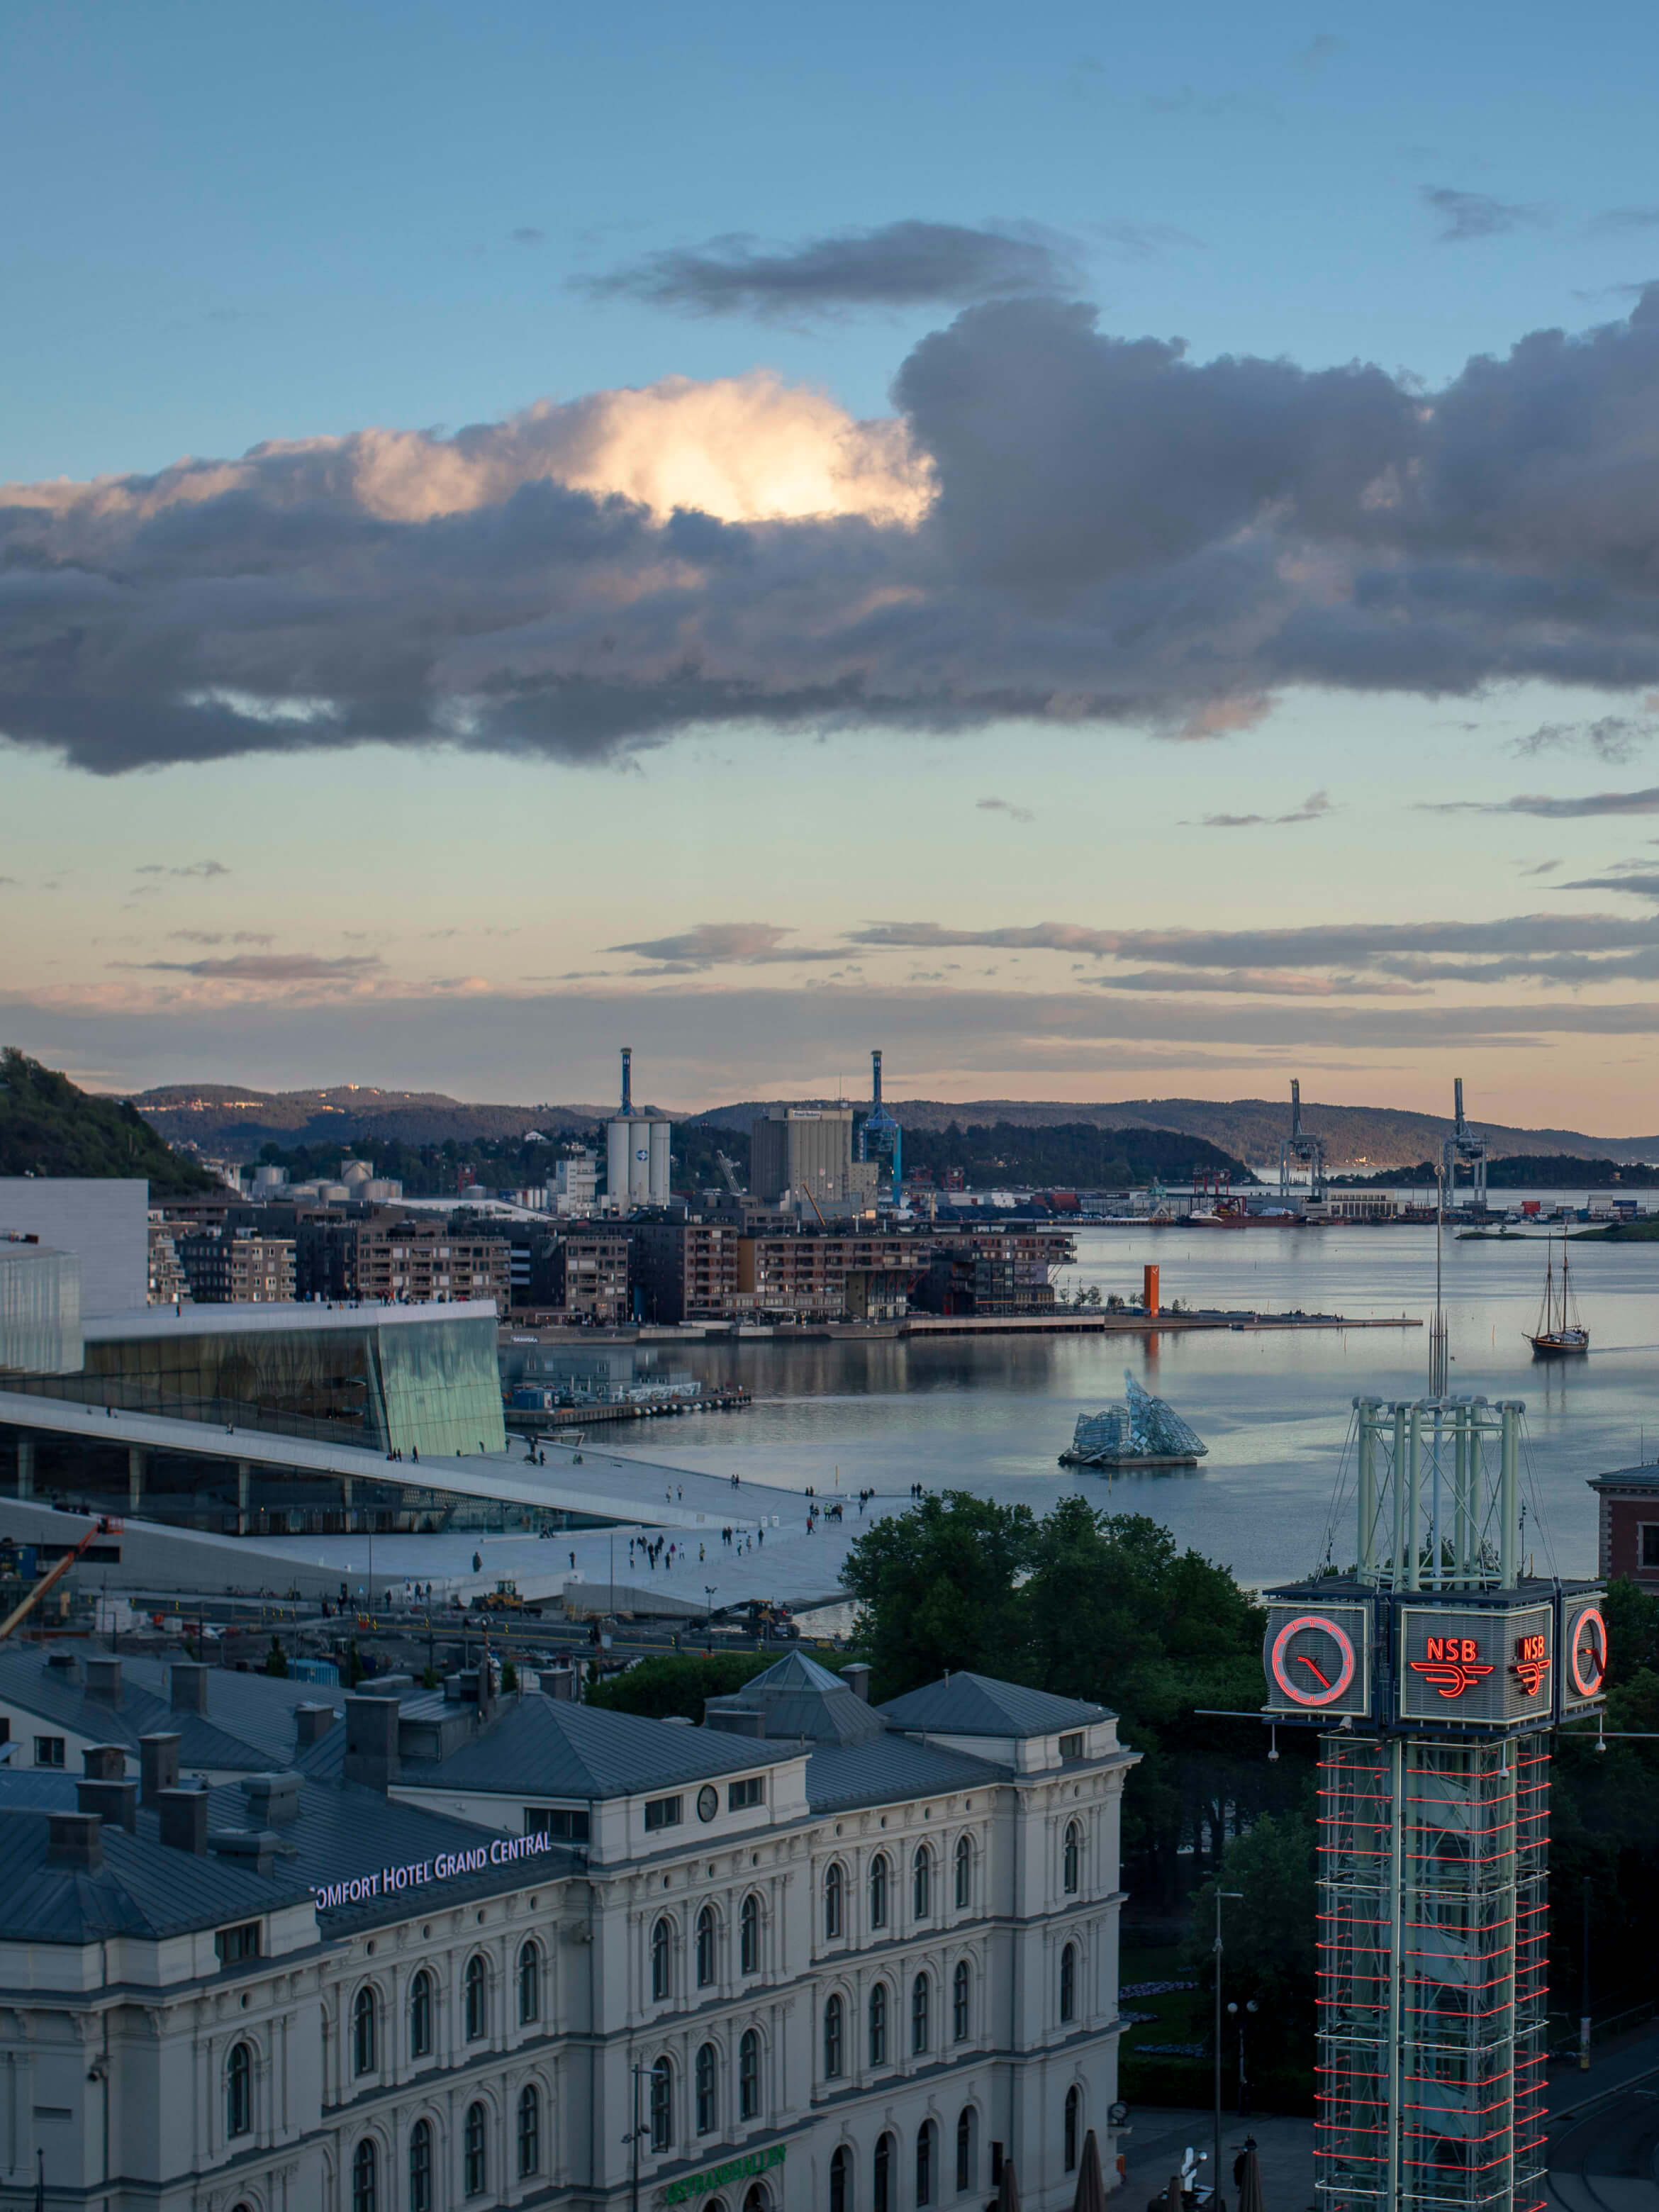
[
  {"x": 662, "y": 1688},
  {"x": 277, "y": 1660},
  {"x": 938, "y": 1588},
  {"x": 509, "y": 1678}
]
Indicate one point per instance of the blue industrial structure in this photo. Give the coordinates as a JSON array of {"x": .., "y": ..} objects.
[{"x": 881, "y": 1136}]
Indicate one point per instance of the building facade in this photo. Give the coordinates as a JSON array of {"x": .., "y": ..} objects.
[
  {"x": 236, "y": 1268},
  {"x": 803, "y": 1148}
]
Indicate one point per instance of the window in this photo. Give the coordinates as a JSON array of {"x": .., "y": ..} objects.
[
  {"x": 664, "y": 1812},
  {"x": 925, "y": 2135},
  {"x": 420, "y": 2166},
  {"x": 921, "y": 1882},
  {"x": 662, "y": 2105},
  {"x": 530, "y": 2132},
  {"x": 1071, "y": 1856},
  {"x": 530, "y": 1982},
  {"x": 964, "y": 1873},
  {"x": 878, "y": 1890},
  {"x": 751, "y": 1791},
  {"x": 239, "y": 2091},
  {"x": 878, "y": 2025},
  {"x": 882, "y": 2195},
  {"x": 835, "y": 1886},
  {"x": 1073, "y": 2115},
  {"x": 705, "y": 1947},
  {"x": 749, "y": 1933},
  {"x": 961, "y": 1991},
  {"x": 420, "y": 2015},
  {"x": 477, "y": 1989},
  {"x": 48, "y": 1751},
  {"x": 662, "y": 1959},
  {"x": 841, "y": 2181},
  {"x": 918, "y": 2013},
  {"x": 1650, "y": 1552},
  {"x": 708, "y": 2077},
  {"x": 364, "y": 2020},
  {"x": 967, "y": 2150},
  {"x": 365, "y": 2177},
  {"x": 235, "y": 1944},
  {"x": 748, "y": 2096},
  {"x": 475, "y": 2163},
  {"x": 1068, "y": 1982},
  {"x": 558, "y": 1821},
  {"x": 835, "y": 2015},
  {"x": 1071, "y": 1746}
]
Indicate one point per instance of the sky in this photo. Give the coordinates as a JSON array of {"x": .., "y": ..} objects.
[{"x": 1111, "y": 556}]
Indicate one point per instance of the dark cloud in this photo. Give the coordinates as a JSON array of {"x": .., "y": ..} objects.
[
  {"x": 1323, "y": 47},
  {"x": 526, "y": 234},
  {"x": 1621, "y": 221},
  {"x": 717, "y": 944},
  {"x": 901, "y": 264},
  {"x": 1313, "y": 808},
  {"x": 1005, "y": 806},
  {"x": 1634, "y": 881},
  {"x": 1463, "y": 215},
  {"x": 272, "y": 968},
  {"x": 1118, "y": 535},
  {"x": 1554, "y": 809},
  {"x": 1613, "y": 737},
  {"x": 191, "y": 868}
]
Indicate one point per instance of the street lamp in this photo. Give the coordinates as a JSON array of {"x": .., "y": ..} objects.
[
  {"x": 1216, "y": 2199},
  {"x": 1240, "y": 2014}
]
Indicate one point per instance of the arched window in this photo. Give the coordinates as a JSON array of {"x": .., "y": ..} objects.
[
  {"x": 420, "y": 2166},
  {"x": 1070, "y": 1858},
  {"x": 1068, "y": 1982},
  {"x": 835, "y": 1891},
  {"x": 879, "y": 1872},
  {"x": 834, "y": 2018},
  {"x": 707, "y": 2084},
  {"x": 529, "y": 1981},
  {"x": 964, "y": 1873},
  {"x": 239, "y": 2091},
  {"x": 925, "y": 2135},
  {"x": 662, "y": 2105},
  {"x": 662, "y": 1959},
  {"x": 749, "y": 1936},
  {"x": 706, "y": 1948},
  {"x": 878, "y": 2025},
  {"x": 918, "y": 2013},
  {"x": 363, "y": 2038},
  {"x": 967, "y": 2150},
  {"x": 841, "y": 2181},
  {"x": 475, "y": 2153},
  {"x": 881, "y": 2199},
  {"x": 1073, "y": 2122},
  {"x": 961, "y": 1992},
  {"x": 530, "y": 2131},
  {"x": 365, "y": 2177},
  {"x": 420, "y": 2015},
  {"x": 921, "y": 1881},
  {"x": 476, "y": 2006},
  {"x": 748, "y": 2094}
]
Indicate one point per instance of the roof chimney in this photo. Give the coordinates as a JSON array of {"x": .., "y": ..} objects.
[
  {"x": 371, "y": 1752},
  {"x": 313, "y": 1723},
  {"x": 105, "y": 1762},
  {"x": 273, "y": 1800},
  {"x": 857, "y": 1679},
  {"x": 104, "y": 1678},
  {"x": 75, "y": 1840},
  {"x": 158, "y": 1765},
  {"x": 188, "y": 1684},
  {"x": 114, "y": 1801},
  {"x": 184, "y": 1819}
]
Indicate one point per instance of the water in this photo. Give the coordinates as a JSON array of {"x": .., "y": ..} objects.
[{"x": 990, "y": 1415}]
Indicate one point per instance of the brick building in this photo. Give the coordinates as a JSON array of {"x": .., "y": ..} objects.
[
  {"x": 685, "y": 1271},
  {"x": 829, "y": 1278},
  {"x": 1628, "y": 1503}
]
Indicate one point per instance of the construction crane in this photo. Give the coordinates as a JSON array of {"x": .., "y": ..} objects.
[
  {"x": 729, "y": 1172},
  {"x": 1303, "y": 1147},
  {"x": 53, "y": 1576},
  {"x": 1463, "y": 1145}
]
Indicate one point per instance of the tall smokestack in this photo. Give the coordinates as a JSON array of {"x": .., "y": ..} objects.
[
  {"x": 627, "y": 1078},
  {"x": 1457, "y": 1093},
  {"x": 875, "y": 1081}
]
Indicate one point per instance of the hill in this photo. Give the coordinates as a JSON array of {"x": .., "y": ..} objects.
[
  {"x": 49, "y": 1127},
  {"x": 230, "y": 1122}
]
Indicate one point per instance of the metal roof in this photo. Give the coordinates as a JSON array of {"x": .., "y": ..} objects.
[
  {"x": 540, "y": 1747},
  {"x": 896, "y": 1767},
  {"x": 800, "y": 1698},
  {"x": 978, "y": 1704},
  {"x": 241, "y": 1729}
]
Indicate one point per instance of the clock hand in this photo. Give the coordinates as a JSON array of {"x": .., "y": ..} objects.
[{"x": 1302, "y": 1659}]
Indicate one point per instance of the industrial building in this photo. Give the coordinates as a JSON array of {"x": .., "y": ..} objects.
[
  {"x": 453, "y": 1948},
  {"x": 636, "y": 1151},
  {"x": 805, "y": 1151}
]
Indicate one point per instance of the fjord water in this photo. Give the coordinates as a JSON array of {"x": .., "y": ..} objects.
[{"x": 991, "y": 1415}]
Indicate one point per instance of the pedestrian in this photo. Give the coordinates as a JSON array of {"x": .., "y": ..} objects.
[{"x": 573, "y": 1559}]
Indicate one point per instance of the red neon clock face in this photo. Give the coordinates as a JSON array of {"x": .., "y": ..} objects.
[
  {"x": 1312, "y": 1661},
  {"x": 1588, "y": 1660}
]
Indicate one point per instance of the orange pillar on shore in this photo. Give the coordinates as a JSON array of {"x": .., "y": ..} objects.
[{"x": 1148, "y": 1289}]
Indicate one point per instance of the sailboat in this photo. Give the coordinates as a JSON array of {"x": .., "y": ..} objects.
[{"x": 1559, "y": 1332}]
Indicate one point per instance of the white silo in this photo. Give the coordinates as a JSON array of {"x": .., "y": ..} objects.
[
  {"x": 636, "y": 1151},
  {"x": 659, "y": 1179}
]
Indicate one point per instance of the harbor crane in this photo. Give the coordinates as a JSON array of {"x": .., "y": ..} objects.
[
  {"x": 1464, "y": 1147},
  {"x": 1302, "y": 1148},
  {"x": 729, "y": 1173}
]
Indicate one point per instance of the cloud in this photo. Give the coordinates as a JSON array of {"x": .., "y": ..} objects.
[
  {"x": 1542, "y": 868},
  {"x": 1005, "y": 806},
  {"x": 901, "y": 264},
  {"x": 1621, "y": 220},
  {"x": 1313, "y": 808},
  {"x": 193, "y": 868},
  {"x": 1613, "y": 737},
  {"x": 1463, "y": 215},
  {"x": 1552, "y": 810},
  {"x": 1323, "y": 47},
  {"x": 526, "y": 234},
  {"x": 717, "y": 944},
  {"x": 1060, "y": 527},
  {"x": 219, "y": 937},
  {"x": 272, "y": 968},
  {"x": 1635, "y": 882}
]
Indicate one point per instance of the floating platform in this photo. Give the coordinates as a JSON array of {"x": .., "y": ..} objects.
[{"x": 1143, "y": 1433}]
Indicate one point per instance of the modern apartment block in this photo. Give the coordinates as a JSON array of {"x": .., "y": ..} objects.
[
  {"x": 829, "y": 1278},
  {"x": 994, "y": 1272},
  {"x": 236, "y": 1268},
  {"x": 685, "y": 1271},
  {"x": 406, "y": 1260}
]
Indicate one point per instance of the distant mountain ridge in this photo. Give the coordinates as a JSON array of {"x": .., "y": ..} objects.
[{"x": 226, "y": 1120}]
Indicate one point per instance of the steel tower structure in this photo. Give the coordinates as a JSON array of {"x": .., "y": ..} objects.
[
  {"x": 1464, "y": 1145},
  {"x": 1303, "y": 1147},
  {"x": 1438, "y": 1669},
  {"x": 881, "y": 1136}
]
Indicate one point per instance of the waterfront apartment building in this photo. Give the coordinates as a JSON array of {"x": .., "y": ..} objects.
[
  {"x": 1007, "y": 1270},
  {"x": 685, "y": 1270},
  {"x": 447, "y": 1951},
  {"x": 829, "y": 1277}
]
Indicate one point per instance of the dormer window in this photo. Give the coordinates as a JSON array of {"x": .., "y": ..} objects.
[{"x": 1071, "y": 1746}]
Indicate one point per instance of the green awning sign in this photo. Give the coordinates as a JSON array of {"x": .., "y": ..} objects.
[{"x": 718, "y": 2177}]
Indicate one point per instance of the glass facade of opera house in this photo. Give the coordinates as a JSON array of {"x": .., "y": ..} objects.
[
  {"x": 424, "y": 1382},
  {"x": 40, "y": 1308}
]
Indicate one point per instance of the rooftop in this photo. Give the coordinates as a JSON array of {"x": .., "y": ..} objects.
[
  {"x": 277, "y": 1319},
  {"x": 978, "y": 1704}
]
